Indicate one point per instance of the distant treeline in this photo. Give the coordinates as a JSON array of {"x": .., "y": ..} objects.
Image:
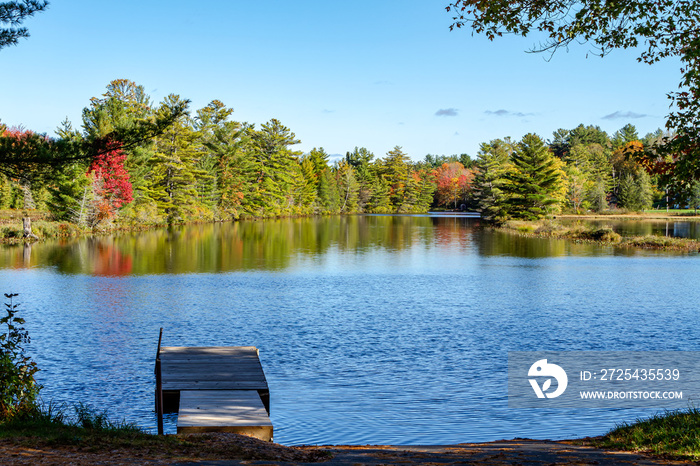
[{"x": 203, "y": 166}]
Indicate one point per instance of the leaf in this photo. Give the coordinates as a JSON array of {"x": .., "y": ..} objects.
[{"x": 546, "y": 385}]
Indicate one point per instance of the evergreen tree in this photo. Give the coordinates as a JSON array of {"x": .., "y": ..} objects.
[
  {"x": 588, "y": 135},
  {"x": 535, "y": 181},
  {"x": 395, "y": 168},
  {"x": 694, "y": 199},
  {"x": 308, "y": 192},
  {"x": 208, "y": 121},
  {"x": 635, "y": 192},
  {"x": 426, "y": 188},
  {"x": 12, "y": 13},
  {"x": 627, "y": 133},
  {"x": 173, "y": 175},
  {"x": 598, "y": 196},
  {"x": 328, "y": 196},
  {"x": 274, "y": 163},
  {"x": 235, "y": 173},
  {"x": 348, "y": 187},
  {"x": 492, "y": 165},
  {"x": 379, "y": 201},
  {"x": 360, "y": 159}
]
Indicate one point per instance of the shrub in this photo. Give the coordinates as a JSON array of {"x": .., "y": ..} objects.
[{"x": 18, "y": 388}]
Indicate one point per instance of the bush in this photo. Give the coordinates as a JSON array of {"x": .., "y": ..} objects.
[
  {"x": 605, "y": 234},
  {"x": 18, "y": 388},
  {"x": 11, "y": 231}
]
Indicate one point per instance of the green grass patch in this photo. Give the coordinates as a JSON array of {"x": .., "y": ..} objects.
[
  {"x": 88, "y": 430},
  {"x": 680, "y": 212},
  {"x": 50, "y": 425},
  {"x": 674, "y": 433}
]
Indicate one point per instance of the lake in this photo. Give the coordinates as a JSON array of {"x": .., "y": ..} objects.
[{"x": 371, "y": 329}]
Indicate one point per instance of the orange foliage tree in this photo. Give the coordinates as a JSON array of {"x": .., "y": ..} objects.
[{"x": 453, "y": 183}]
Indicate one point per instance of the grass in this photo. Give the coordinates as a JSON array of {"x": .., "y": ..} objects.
[
  {"x": 50, "y": 425},
  {"x": 689, "y": 214},
  {"x": 673, "y": 434},
  {"x": 92, "y": 432}
]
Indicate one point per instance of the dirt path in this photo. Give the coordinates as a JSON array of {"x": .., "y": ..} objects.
[{"x": 518, "y": 452}]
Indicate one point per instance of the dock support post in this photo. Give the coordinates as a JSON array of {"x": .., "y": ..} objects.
[{"x": 159, "y": 387}]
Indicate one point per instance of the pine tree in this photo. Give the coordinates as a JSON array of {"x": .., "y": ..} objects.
[
  {"x": 173, "y": 176},
  {"x": 492, "y": 165},
  {"x": 533, "y": 185},
  {"x": 360, "y": 159},
  {"x": 208, "y": 121},
  {"x": 228, "y": 146},
  {"x": 348, "y": 187},
  {"x": 379, "y": 201},
  {"x": 396, "y": 171},
  {"x": 274, "y": 163},
  {"x": 308, "y": 190},
  {"x": 635, "y": 192},
  {"x": 694, "y": 198},
  {"x": 426, "y": 188},
  {"x": 598, "y": 196},
  {"x": 328, "y": 196}
]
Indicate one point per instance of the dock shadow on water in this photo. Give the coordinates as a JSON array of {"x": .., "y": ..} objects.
[{"x": 371, "y": 329}]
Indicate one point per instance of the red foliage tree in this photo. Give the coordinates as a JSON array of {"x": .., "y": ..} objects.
[
  {"x": 111, "y": 178},
  {"x": 453, "y": 182}
]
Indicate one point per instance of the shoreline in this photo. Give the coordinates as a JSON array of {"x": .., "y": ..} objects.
[
  {"x": 632, "y": 216},
  {"x": 231, "y": 449}
]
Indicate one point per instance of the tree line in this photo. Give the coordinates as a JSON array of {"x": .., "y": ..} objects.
[
  {"x": 137, "y": 163},
  {"x": 578, "y": 170}
]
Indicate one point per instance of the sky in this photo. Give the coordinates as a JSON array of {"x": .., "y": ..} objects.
[{"x": 374, "y": 74}]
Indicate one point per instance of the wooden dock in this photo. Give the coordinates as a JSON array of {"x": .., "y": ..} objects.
[{"x": 215, "y": 389}]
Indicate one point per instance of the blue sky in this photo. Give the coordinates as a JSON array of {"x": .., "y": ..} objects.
[{"x": 339, "y": 74}]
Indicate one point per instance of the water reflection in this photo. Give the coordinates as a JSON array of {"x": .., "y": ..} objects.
[
  {"x": 287, "y": 243},
  {"x": 238, "y": 246}
]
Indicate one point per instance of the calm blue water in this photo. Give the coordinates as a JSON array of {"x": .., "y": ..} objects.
[{"x": 392, "y": 331}]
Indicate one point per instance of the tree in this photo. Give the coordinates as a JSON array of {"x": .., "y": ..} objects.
[
  {"x": 492, "y": 165},
  {"x": 624, "y": 135},
  {"x": 453, "y": 183},
  {"x": 173, "y": 175},
  {"x": 328, "y": 196},
  {"x": 360, "y": 160},
  {"x": 635, "y": 192},
  {"x": 275, "y": 165},
  {"x": 208, "y": 120},
  {"x": 229, "y": 145},
  {"x": 12, "y": 14},
  {"x": 348, "y": 186},
  {"x": 660, "y": 29},
  {"x": 576, "y": 188},
  {"x": 694, "y": 199},
  {"x": 598, "y": 196},
  {"x": 111, "y": 188},
  {"x": 534, "y": 184},
  {"x": 395, "y": 168}
]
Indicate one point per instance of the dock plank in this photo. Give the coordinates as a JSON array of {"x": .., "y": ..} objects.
[
  {"x": 239, "y": 411},
  {"x": 213, "y": 385}
]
